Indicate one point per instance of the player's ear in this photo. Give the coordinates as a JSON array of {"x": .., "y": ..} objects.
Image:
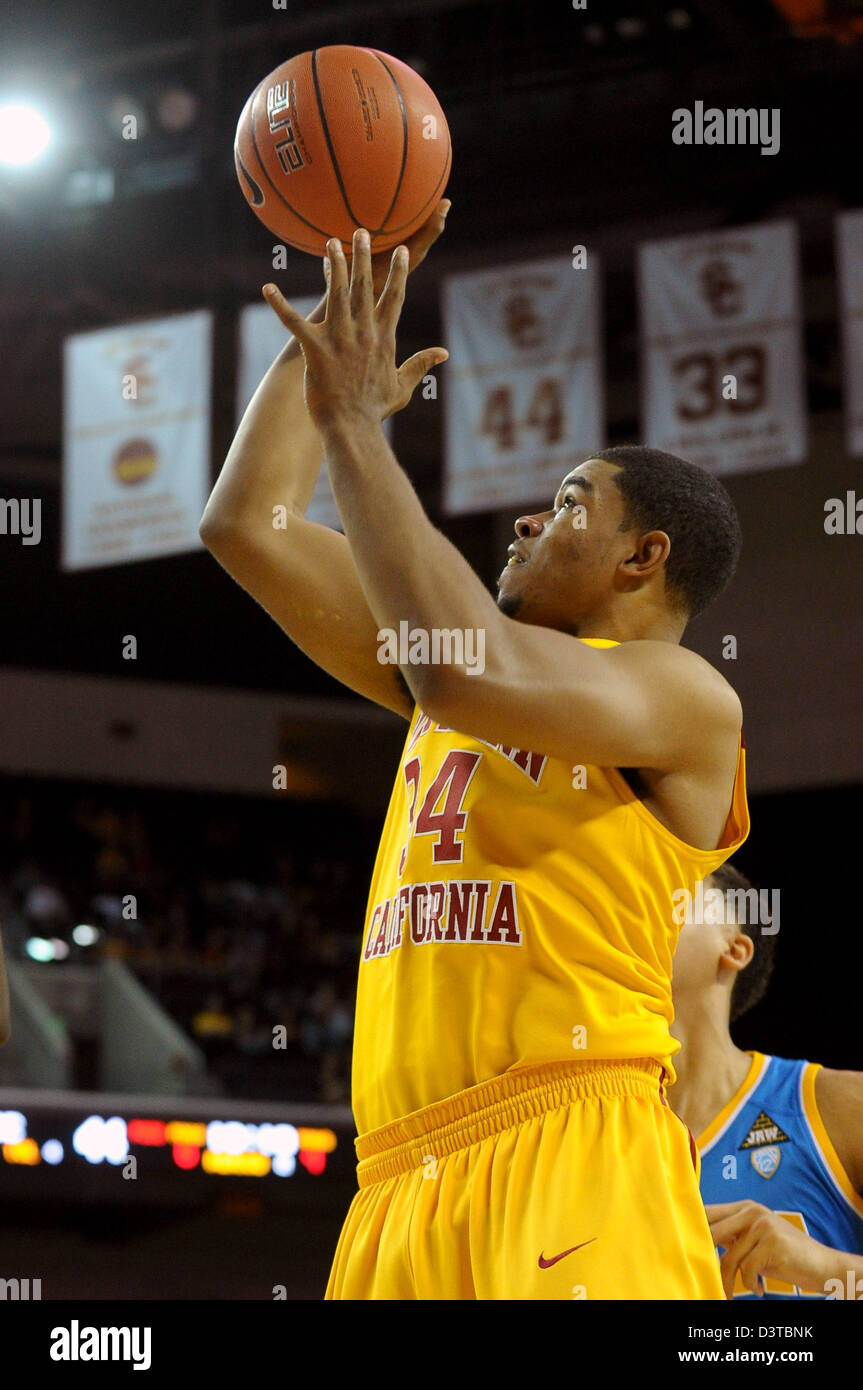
[
  {"x": 650, "y": 554},
  {"x": 738, "y": 952}
]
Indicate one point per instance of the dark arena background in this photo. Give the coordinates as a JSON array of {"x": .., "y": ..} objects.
[{"x": 146, "y": 702}]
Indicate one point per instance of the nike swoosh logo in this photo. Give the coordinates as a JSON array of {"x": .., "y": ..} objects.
[
  {"x": 257, "y": 196},
  {"x": 547, "y": 1264}
]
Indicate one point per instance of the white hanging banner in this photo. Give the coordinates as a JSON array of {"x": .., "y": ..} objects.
[
  {"x": 523, "y": 383},
  {"x": 136, "y": 440},
  {"x": 722, "y": 348},
  {"x": 849, "y": 255},
  {"x": 262, "y": 336}
]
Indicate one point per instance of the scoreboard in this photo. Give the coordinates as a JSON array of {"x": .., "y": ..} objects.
[{"x": 92, "y": 1146}]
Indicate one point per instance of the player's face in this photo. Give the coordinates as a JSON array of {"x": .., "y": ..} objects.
[
  {"x": 562, "y": 565},
  {"x": 695, "y": 960},
  {"x": 698, "y": 958}
]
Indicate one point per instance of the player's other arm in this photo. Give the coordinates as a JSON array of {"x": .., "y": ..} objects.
[
  {"x": 839, "y": 1097},
  {"x": 301, "y": 573},
  {"x": 759, "y": 1241},
  {"x": 761, "y": 1244}
]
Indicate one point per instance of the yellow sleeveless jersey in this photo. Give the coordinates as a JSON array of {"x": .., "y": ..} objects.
[{"x": 520, "y": 912}]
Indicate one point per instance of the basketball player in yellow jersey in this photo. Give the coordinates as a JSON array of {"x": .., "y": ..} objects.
[{"x": 568, "y": 768}]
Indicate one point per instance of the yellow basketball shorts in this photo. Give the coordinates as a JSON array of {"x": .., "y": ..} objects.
[{"x": 561, "y": 1181}]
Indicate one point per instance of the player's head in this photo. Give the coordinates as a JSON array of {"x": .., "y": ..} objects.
[
  {"x": 633, "y": 535},
  {"x": 726, "y": 959}
]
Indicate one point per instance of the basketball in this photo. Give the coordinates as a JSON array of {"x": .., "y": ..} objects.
[{"x": 339, "y": 138}]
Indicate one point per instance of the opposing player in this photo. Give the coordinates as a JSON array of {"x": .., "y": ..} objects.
[
  {"x": 781, "y": 1141},
  {"x": 512, "y": 1034}
]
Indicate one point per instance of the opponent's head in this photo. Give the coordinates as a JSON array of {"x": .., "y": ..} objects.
[
  {"x": 634, "y": 535},
  {"x": 726, "y": 960}
]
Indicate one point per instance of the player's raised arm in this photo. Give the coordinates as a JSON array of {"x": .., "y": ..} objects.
[
  {"x": 301, "y": 573},
  {"x": 642, "y": 704}
]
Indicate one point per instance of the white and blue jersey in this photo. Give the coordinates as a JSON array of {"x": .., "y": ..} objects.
[{"x": 769, "y": 1145}]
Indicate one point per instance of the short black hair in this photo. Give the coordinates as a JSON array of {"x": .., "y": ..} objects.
[
  {"x": 666, "y": 493},
  {"x": 751, "y": 984}
]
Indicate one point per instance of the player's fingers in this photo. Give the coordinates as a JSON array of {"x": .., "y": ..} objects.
[
  {"x": 389, "y": 306},
  {"x": 428, "y": 233},
  {"x": 362, "y": 295},
  {"x": 716, "y": 1210},
  {"x": 338, "y": 291},
  {"x": 728, "y": 1229},
  {"x": 726, "y": 1271},
  {"x": 290, "y": 317},
  {"x": 728, "y": 1219},
  {"x": 752, "y": 1268},
  {"x": 730, "y": 1261},
  {"x": 411, "y": 372}
]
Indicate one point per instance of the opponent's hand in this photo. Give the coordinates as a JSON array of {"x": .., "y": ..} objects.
[
  {"x": 351, "y": 370},
  {"x": 760, "y": 1242}
]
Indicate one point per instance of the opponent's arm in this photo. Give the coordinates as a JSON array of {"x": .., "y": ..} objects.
[
  {"x": 642, "y": 704},
  {"x": 302, "y": 574},
  {"x": 761, "y": 1244}
]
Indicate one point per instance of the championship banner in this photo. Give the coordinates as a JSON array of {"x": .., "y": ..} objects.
[
  {"x": 524, "y": 394},
  {"x": 136, "y": 440},
  {"x": 262, "y": 336},
  {"x": 849, "y": 255},
  {"x": 722, "y": 353}
]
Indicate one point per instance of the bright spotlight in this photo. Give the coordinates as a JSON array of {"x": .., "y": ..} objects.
[
  {"x": 38, "y": 948},
  {"x": 24, "y": 134}
]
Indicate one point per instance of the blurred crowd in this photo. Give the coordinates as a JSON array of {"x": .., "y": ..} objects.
[{"x": 240, "y": 917}]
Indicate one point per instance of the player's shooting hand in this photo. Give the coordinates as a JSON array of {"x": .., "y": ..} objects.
[
  {"x": 760, "y": 1242},
  {"x": 351, "y": 371},
  {"x": 418, "y": 246}
]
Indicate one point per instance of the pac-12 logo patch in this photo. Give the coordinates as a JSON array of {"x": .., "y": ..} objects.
[{"x": 766, "y": 1161}]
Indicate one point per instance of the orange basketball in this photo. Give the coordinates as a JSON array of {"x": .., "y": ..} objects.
[{"x": 340, "y": 138}]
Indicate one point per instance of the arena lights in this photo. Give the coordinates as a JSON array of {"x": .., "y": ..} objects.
[
  {"x": 220, "y": 1147},
  {"x": 101, "y": 1141},
  {"x": 85, "y": 935},
  {"x": 24, "y": 134},
  {"x": 249, "y": 1165},
  {"x": 177, "y": 110},
  {"x": 43, "y": 950},
  {"x": 38, "y": 948},
  {"x": 13, "y": 1127},
  {"x": 27, "y": 1152},
  {"x": 232, "y": 1147},
  {"x": 630, "y": 27}
]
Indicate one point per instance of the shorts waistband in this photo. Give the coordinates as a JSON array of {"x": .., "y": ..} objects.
[{"x": 481, "y": 1111}]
